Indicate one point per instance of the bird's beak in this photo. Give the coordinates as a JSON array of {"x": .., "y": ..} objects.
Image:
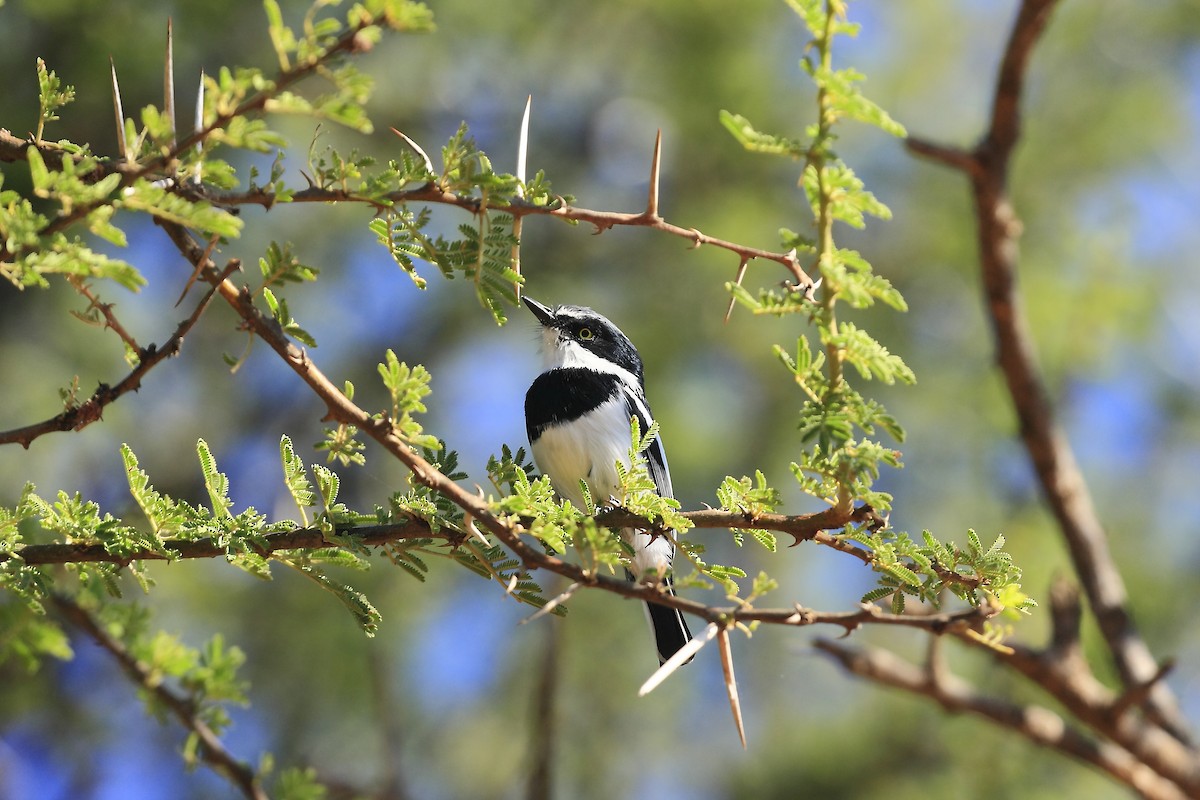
[{"x": 543, "y": 313}]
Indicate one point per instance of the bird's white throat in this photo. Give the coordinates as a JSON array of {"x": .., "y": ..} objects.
[{"x": 562, "y": 351}]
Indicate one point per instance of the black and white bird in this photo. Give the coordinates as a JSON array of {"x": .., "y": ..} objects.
[{"x": 577, "y": 415}]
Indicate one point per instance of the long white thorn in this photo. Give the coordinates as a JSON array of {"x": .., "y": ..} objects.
[
  {"x": 522, "y": 156},
  {"x": 741, "y": 273},
  {"x": 169, "y": 83},
  {"x": 735, "y": 705},
  {"x": 655, "y": 163},
  {"x": 680, "y": 658},
  {"x": 199, "y": 126},
  {"x": 416, "y": 149},
  {"x": 523, "y": 147},
  {"x": 122, "y": 145},
  {"x": 553, "y": 604}
]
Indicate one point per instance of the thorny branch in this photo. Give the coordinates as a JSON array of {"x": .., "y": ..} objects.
[
  {"x": 1137, "y": 734},
  {"x": 1036, "y": 723},
  {"x": 804, "y": 527},
  {"x": 12, "y": 148},
  {"x": 78, "y": 416},
  {"x": 342, "y": 410},
  {"x": 601, "y": 220},
  {"x": 1053, "y": 458},
  {"x": 211, "y": 749}
]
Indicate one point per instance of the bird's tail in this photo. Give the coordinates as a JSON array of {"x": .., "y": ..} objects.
[{"x": 669, "y": 626}]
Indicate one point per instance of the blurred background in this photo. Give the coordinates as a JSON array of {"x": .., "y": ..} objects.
[{"x": 442, "y": 702}]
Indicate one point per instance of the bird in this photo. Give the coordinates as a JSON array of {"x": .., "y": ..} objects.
[{"x": 578, "y": 414}]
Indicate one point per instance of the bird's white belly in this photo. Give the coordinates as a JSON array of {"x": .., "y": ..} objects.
[{"x": 586, "y": 449}]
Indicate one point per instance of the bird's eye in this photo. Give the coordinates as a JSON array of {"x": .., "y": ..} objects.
[{"x": 586, "y": 335}]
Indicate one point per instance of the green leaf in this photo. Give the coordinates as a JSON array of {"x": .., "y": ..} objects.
[
  {"x": 280, "y": 266},
  {"x": 756, "y": 141},
  {"x": 903, "y": 574},
  {"x": 68, "y": 256},
  {"x": 846, "y": 100},
  {"x": 408, "y": 388},
  {"x": 200, "y": 215},
  {"x": 296, "y": 478},
  {"x": 365, "y": 614},
  {"x": 51, "y": 96},
  {"x": 295, "y": 783},
  {"x": 215, "y": 482},
  {"x": 279, "y": 311}
]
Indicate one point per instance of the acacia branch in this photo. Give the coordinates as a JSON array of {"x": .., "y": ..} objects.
[
  {"x": 106, "y": 310},
  {"x": 211, "y": 749},
  {"x": 437, "y": 195},
  {"x": 13, "y": 148},
  {"x": 79, "y": 416},
  {"x": 1038, "y": 724},
  {"x": 803, "y": 527},
  {"x": 1045, "y": 441},
  {"x": 509, "y": 531},
  {"x": 207, "y": 547}
]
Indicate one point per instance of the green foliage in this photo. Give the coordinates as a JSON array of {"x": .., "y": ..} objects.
[
  {"x": 296, "y": 478},
  {"x": 365, "y": 614},
  {"x": 424, "y": 503},
  {"x": 637, "y": 491},
  {"x": 841, "y": 467},
  {"x": 408, "y": 387},
  {"x": 928, "y": 571},
  {"x": 28, "y": 637},
  {"x": 505, "y": 472},
  {"x": 294, "y": 783},
  {"x": 553, "y": 522},
  {"x": 756, "y": 141},
  {"x": 281, "y": 314},
  {"x": 207, "y": 677},
  {"x": 51, "y": 97},
  {"x": 280, "y": 266},
  {"x": 482, "y": 253},
  {"x": 751, "y": 498}
]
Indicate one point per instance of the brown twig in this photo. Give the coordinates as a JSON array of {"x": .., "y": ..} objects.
[
  {"x": 211, "y": 749},
  {"x": 110, "y": 319},
  {"x": 601, "y": 220},
  {"x": 1053, "y": 459},
  {"x": 80, "y": 416},
  {"x": 1070, "y": 681}
]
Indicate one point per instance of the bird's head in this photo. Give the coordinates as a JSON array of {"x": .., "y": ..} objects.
[{"x": 575, "y": 336}]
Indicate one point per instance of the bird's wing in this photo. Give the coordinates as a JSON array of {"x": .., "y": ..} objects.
[{"x": 656, "y": 454}]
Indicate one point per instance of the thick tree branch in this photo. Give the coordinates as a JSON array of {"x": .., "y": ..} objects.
[
  {"x": 1038, "y": 724},
  {"x": 211, "y": 749},
  {"x": 1053, "y": 458}
]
